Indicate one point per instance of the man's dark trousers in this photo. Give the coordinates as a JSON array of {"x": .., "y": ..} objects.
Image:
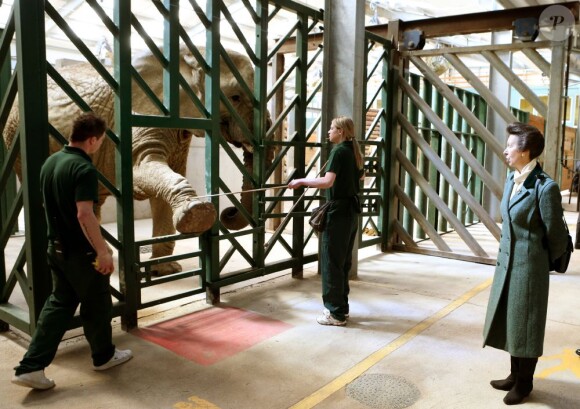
[{"x": 74, "y": 281}]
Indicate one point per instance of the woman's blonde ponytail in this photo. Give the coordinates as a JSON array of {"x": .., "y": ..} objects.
[{"x": 347, "y": 125}]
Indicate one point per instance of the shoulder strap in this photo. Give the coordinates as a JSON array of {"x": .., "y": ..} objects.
[
  {"x": 537, "y": 200},
  {"x": 542, "y": 177}
]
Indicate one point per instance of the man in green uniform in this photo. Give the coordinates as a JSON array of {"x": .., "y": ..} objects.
[{"x": 79, "y": 258}]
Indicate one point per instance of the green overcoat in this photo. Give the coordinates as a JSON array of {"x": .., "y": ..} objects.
[{"x": 518, "y": 302}]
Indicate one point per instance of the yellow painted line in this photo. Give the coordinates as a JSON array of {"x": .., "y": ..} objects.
[
  {"x": 357, "y": 370},
  {"x": 194, "y": 402},
  {"x": 568, "y": 362}
]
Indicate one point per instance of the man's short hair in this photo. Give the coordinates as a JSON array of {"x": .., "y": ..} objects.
[{"x": 87, "y": 125}]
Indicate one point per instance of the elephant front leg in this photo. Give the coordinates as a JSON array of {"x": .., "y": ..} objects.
[
  {"x": 155, "y": 179},
  {"x": 162, "y": 226}
]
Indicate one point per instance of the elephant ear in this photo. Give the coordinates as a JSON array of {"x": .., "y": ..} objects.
[{"x": 197, "y": 81}]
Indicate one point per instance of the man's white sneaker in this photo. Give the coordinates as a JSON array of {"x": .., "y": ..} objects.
[
  {"x": 327, "y": 319},
  {"x": 121, "y": 356},
  {"x": 34, "y": 380}
]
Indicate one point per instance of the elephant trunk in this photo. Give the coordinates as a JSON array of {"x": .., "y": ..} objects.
[
  {"x": 154, "y": 178},
  {"x": 231, "y": 217}
]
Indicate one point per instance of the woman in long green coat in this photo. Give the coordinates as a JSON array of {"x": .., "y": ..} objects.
[{"x": 533, "y": 231}]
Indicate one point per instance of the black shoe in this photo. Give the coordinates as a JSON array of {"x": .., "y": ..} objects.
[
  {"x": 578, "y": 351},
  {"x": 504, "y": 384},
  {"x": 524, "y": 382},
  {"x": 517, "y": 394}
]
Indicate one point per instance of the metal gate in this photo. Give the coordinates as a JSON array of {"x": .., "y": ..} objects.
[
  {"x": 376, "y": 140},
  {"x": 228, "y": 252},
  {"x": 449, "y": 169}
]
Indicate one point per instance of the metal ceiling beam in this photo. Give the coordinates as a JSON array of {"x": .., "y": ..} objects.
[
  {"x": 499, "y": 20},
  {"x": 490, "y": 21}
]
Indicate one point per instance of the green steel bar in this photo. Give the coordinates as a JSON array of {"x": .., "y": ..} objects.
[
  {"x": 210, "y": 240},
  {"x": 248, "y": 135},
  {"x": 386, "y": 180},
  {"x": 423, "y": 163},
  {"x": 82, "y": 48},
  {"x": 147, "y": 281},
  {"x": 10, "y": 89},
  {"x": 124, "y": 164},
  {"x": 273, "y": 13},
  {"x": 300, "y": 127},
  {"x": 469, "y": 140},
  {"x": 5, "y": 195},
  {"x": 12, "y": 216},
  {"x": 103, "y": 16},
  {"x": 455, "y": 160},
  {"x": 378, "y": 63},
  {"x": 235, "y": 72},
  {"x": 363, "y": 131},
  {"x": 374, "y": 97},
  {"x": 260, "y": 117},
  {"x": 240, "y": 35},
  {"x": 446, "y": 155},
  {"x": 280, "y": 42},
  {"x": 473, "y": 218},
  {"x": 301, "y": 9},
  {"x": 434, "y": 175},
  {"x": 165, "y": 122},
  {"x": 172, "y": 298},
  {"x": 521, "y": 116},
  {"x": 16, "y": 275},
  {"x": 481, "y": 113},
  {"x": 171, "y": 53},
  {"x": 9, "y": 189},
  {"x": 7, "y": 34},
  {"x": 282, "y": 79},
  {"x": 463, "y": 168},
  {"x": 235, "y": 246},
  {"x": 31, "y": 67},
  {"x": 411, "y": 153},
  {"x": 280, "y": 120}
]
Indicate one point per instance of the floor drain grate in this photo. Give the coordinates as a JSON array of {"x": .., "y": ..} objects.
[{"x": 382, "y": 391}]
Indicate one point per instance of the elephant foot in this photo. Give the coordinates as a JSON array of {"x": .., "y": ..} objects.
[
  {"x": 194, "y": 217},
  {"x": 165, "y": 269}
]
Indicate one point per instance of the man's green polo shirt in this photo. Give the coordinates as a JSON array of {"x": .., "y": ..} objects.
[{"x": 68, "y": 177}]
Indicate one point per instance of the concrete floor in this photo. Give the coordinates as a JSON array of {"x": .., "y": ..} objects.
[{"x": 413, "y": 340}]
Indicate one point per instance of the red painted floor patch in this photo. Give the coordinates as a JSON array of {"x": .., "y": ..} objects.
[{"x": 211, "y": 335}]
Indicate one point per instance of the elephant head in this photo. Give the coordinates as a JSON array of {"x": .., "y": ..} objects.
[{"x": 231, "y": 130}]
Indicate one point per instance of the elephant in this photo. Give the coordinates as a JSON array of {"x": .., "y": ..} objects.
[{"x": 159, "y": 154}]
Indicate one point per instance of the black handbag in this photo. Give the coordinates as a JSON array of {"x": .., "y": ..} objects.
[
  {"x": 318, "y": 217},
  {"x": 559, "y": 265}
]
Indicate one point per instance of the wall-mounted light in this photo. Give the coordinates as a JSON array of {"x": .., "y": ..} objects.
[
  {"x": 413, "y": 40},
  {"x": 526, "y": 29}
]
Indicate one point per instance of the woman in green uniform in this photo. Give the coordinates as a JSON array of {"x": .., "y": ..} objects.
[{"x": 341, "y": 181}]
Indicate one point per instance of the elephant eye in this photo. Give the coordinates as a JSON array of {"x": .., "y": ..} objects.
[{"x": 236, "y": 98}]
